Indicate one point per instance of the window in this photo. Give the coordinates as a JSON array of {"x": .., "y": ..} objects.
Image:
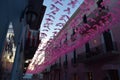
[
  {"x": 65, "y": 62},
  {"x": 59, "y": 62},
  {"x": 108, "y": 40},
  {"x": 85, "y": 18},
  {"x": 99, "y": 4},
  {"x": 87, "y": 47},
  {"x": 66, "y": 58},
  {"x": 74, "y": 56},
  {"x": 65, "y": 41},
  {"x": 73, "y": 35}
]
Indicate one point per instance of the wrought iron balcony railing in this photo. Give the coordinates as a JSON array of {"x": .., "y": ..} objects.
[{"x": 99, "y": 52}]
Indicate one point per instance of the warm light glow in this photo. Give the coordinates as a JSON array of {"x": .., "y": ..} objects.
[
  {"x": 27, "y": 61},
  {"x": 31, "y": 67},
  {"x": 25, "y": 68},
  {"x": 95, "y": 41}
]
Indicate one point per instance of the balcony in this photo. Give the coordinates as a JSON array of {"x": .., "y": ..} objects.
[
  {"x": 95, "y": 21},
  {"x": 99, "y": 53}
]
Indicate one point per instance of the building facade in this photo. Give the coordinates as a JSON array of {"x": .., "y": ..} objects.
[
  {"x": 8, "y": 55},
  {"x": 98, "y": 59},
  {"x": 26, "y": 17}
]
